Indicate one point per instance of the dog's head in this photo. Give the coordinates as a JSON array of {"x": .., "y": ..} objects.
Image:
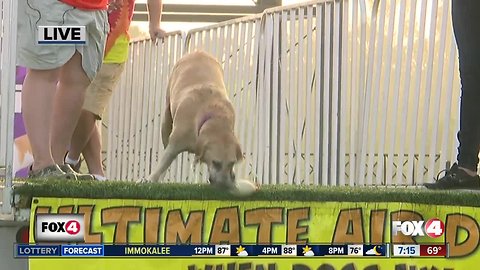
[{"x": 220, "y": 155}]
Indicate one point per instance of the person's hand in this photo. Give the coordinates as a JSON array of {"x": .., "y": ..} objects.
[{"x": 157, "y": 33}]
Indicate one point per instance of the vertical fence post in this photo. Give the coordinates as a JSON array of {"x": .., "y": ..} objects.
[
  {"x": 328, "y": 78},
  {"x": 8, "y": 69}
]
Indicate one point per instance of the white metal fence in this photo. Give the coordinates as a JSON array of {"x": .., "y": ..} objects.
[
  {"x": 137, "y": 107},
  {"x": 8, "y": 40},
  {"x": 327, "y": 92},
  {"x": 409, "y": 116},
  {"x": 305, "y": 97},
  {"x": 237, "y": 45}
]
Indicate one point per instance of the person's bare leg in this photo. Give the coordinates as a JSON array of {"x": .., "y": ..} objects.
[
  {"x": 93, "y": 153},
  {"x": 82, "y": 134},
  {"x": 37, "y": 102},
  {"x": 67, "y": 106}
]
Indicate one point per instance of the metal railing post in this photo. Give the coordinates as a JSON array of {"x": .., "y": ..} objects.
[{"x": 7, "y": 87}]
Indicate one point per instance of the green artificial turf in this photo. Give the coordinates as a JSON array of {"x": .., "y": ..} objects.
[{"x": 150, "y": 191}]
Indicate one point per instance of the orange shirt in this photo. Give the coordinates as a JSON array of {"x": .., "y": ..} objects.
[
  {"x": 87, "y": 4},
  {"x": 120, "y": 14}
]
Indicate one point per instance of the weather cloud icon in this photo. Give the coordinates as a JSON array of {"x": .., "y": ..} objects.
[
  {"x": 307, "y": 251},
  {"x": 241, "y": 251},
  {"x": 376, "y": 250}
]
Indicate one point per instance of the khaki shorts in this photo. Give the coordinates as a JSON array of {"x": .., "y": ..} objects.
[
  {"x": 34, "y": 13},
  {"x": 100, "y": 91}
]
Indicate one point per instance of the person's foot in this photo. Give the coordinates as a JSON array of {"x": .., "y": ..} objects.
[
  {"x": 455, "y": 178},
  {"x": 99, "y": 177},
  {"x": 74, "y": 164},
  {"x": 52, "y": 171},
  {"x": 68, "y": 169}
]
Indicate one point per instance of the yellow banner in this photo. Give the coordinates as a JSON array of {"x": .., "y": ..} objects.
[{"x": 211, "y": 222}]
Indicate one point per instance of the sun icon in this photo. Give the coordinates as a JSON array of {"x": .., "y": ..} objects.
[
  {"x": 307, "y": 251},
  {"x": 241, "y": 251}
]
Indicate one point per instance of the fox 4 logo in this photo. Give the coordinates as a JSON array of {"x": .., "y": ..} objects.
[
  {"x": 59, "y": 228},
  {"x": 433, "y": 228}
]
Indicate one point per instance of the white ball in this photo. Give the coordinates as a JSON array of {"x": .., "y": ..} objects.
[{"x": 243, "y": 188}]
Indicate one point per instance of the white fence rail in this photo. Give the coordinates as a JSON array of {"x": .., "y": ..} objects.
[
  {"x": 409, "y": 116},
  {"x": 8, "y": 40},
  {"x": 237, "y": 45},
  {"x": 327, "y": 92},
  {"x": 305, "y": 93},
  {"x": 137, "y": 106}
]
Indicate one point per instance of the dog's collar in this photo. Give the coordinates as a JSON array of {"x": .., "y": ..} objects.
[{"x": 203, "y": 120}]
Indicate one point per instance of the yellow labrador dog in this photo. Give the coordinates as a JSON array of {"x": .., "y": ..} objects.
[{"x": 199, "y": 118}]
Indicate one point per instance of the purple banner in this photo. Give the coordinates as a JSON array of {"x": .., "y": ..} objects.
[
  {"x": 22, "y": 153},
  {"x": 21, "y": 73}
]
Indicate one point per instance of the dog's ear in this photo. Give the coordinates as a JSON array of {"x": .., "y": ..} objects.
[{"x": 239, "y": 153}]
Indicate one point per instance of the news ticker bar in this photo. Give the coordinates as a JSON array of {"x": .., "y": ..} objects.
[{"x": 104, "y": 250}]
